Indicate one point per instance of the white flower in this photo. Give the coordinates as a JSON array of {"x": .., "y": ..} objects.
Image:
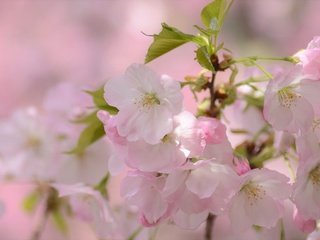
[{"x": 146, "y": 103}]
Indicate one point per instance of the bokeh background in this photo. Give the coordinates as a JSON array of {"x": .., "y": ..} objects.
[{"x": 44, "y": 42}]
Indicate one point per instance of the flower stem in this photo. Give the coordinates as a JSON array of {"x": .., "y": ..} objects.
[
  {"x": 209, "y": 226},
  {"x": 212, "y": 96},
  {"x": 256, "y": 58},
  {"x": 38, "y": 231}
]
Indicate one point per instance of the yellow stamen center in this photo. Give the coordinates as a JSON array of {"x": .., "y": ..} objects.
[
  {"x": 314, "y": 175},
  {"x": 316, "y": 124},
  {"x": 287, "y": 96},
  {"x": 149, "y": 99},
  {"x": 33, "y": 142},
  {"x": 254, "y": 192}
]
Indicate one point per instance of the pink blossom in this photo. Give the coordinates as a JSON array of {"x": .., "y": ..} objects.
[
  {"x": 259, "y": 201},
  {"x": 111, "y": 127},
  {"x": 144, "y": 190},
  {"x": 146, "y": 103},
  {"x": 31, "y": 149},
  {"x": 241, "y": 166},
  {"x": 88, "y": 205},
  {"x": 117, "y": 143},
  {"x": 307, "y": 144},
  {"x": 173, "y": 150},
  {"x": 63, "y": 104},
  {"x": 314, "y": 236},
  {"x": 89, "y": 167},
  {"x": 305, "y": 225},
  {"x": 199, "y": 188},
  {"x": 306, "y": 194},
  {"x": 215, "y": 141},
  {"x": 310, "y": 59},
  {"x": 291, "y": 101}
]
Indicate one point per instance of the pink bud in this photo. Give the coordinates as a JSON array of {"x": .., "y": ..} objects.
[
  {"x": 110, "y": 127},
  {"x": 305, "y": 225},
  {"x": 241, "y": 165}
]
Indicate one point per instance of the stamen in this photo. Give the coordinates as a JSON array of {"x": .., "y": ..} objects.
[
  {"x": 315, "y": 124},
  {"x": 254, "y": 192},
  {"x": 314, "y": 175},
  {"x": 33, "y": 142},
  {"x": 148, "y": 100},
  {"x": 287, "y": 97},
  {"x": 167, "y": 138}
]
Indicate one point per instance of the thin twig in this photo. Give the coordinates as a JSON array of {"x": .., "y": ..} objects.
[
  {"x": 38, "y": 231},
  {"x": 209, "y": 226}
]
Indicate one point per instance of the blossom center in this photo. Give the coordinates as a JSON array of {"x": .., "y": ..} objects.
[
  {"x": 316, "y": 124},
  {"x": 167, "y": 138},
  {"x": 314, "y": 175},
  {"x": 33, "y": 142},
  {"x": 253, "y": 192},
  {"x": 287, "y": 97},
  {"x": 149, "y": 99}
]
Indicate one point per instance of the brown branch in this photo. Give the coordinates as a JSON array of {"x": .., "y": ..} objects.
[
  {"x": 209, "y": 226},
  {"x": 37, "y": 233}
]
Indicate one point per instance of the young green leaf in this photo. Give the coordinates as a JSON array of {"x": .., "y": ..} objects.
[
  {"x": 93, "y": 132},
  {"x": 100, "y": 102},
  {"x": 266, "y": 154},
  {"x": 168, "y": 39},
  {"x": 212, "y": 15},
  {"x": 59, "y": 221},
  {"x": 203, "y": 58},
  {"x": 31, "y": 201}
]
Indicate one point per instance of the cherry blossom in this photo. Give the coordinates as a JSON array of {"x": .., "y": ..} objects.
[
  {"x": 242, "y": 166},
  {"x": 310, "y": 59},
  {"x": 314, "y": 235},
  {"x": 291, "y": 101},
  {"x": 259, "y": 201},
  {"x": 173, "y": 150},
  {"x": 216, "y": 143},
  {"x": 144, "y": 190},
  {"x": 306, "y": 194},
  {"x": 89, "y": 205},
  {"x": 146, "y": 103},
  {"x": 305, "y": 225},
  {"x": 31, "y": 149},
  {"x": 117, "y": 144},
  {"x": 199, "y": 188},
  {"x": 88, "y": 167}
]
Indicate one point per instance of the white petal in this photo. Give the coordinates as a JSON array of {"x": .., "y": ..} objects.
[
  {"x": 189, "y": 221},
  {"x": 263, "y": 212},
  {"x": 201, "y": 183}
]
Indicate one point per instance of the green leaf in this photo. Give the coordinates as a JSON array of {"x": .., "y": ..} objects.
[
  {"x": 206, "y": 32},
  {"x": 254, "y": 101},
  {"x": 99, "y": 101},
  {"x": 86, "y": 119},
  {"x": 102, "y": 185},
  {"x": 168, "y": 39},
  {"x": 93, "y": 132},
  {"x": 31, "y": 201},
  {"x": 203, "y": 58},
  {"x": 212, "y": 15},
  {"x": 266, "y": 154},
  {"x": 59, "y": 221}
]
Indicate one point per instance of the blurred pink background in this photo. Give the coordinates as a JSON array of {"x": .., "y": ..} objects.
[{"x": 43, "y": 42}]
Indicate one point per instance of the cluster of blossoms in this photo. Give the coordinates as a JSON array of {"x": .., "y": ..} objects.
[
  {"x": 179, "y": 168},
  {"x": 182, "y": 168},
  {"x": 292, "y": 105},
  {"x": 175, "y": 167},
  {"x": 35, "y": 141}
]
